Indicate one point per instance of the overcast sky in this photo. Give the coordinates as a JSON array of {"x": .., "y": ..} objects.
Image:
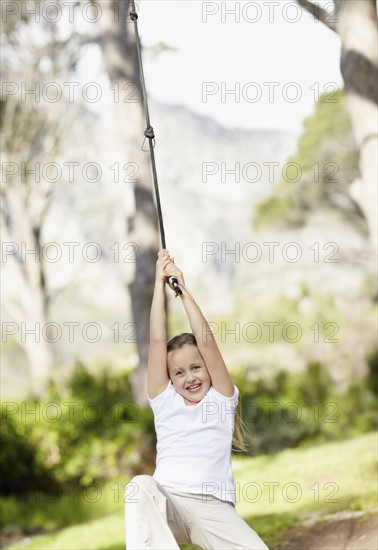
[{"x": 274, "y": 55}]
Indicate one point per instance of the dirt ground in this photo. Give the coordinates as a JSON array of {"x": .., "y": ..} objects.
[{"x": 342, "y": 531}]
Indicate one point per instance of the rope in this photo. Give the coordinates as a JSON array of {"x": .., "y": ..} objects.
[
  {"x": 150, "y": 135},
  {"x": 149, "y": 131}
]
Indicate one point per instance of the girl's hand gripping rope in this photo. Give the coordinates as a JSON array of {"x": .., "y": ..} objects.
[
  {"x": 164, "y": 259},
  {"x": 174, "y": 276},
  {"x": 167, "y": 271}
]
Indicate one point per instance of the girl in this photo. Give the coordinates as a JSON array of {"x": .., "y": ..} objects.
[{"x": 191, "y": 496}]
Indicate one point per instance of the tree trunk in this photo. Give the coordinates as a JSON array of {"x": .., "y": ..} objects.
[
  {"x": 358, "y": 29},
  {"x": 117, "y": 41},
  {"x": 40, "y": 361},
  {"x": 356, "y": 24},
  {"x": 34, "y": 133},
  {"x": 30, "y": 312},
  {"x": 31, "y": 322}
]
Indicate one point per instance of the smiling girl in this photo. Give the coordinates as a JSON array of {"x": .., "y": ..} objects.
[{"x": 191, "y": 497}]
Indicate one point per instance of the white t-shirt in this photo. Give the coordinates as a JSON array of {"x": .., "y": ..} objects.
[{"x": 194, "y": 442}]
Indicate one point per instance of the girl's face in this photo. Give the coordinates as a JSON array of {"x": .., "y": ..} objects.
[{"x": 188, "y": 373}]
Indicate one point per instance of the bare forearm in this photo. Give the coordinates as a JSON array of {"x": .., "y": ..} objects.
[
  {"x": 197, "y": 321},
  {"x": 158, "y": 329},
  {"x": 206, "y": 344}
]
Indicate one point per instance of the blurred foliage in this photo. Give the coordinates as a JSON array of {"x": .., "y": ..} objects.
[
  {"x": 294, "y": 409},
  {"x": 327, "y": 161},
  {"x": 372, "y": 380},
  {"x": 21, "y": 469},
  {"x": 93, "y": 431}
]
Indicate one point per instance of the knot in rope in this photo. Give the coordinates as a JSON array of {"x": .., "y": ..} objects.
[
  {"x": 149, "y": 132},
  {"x": 133, "y": 15}
]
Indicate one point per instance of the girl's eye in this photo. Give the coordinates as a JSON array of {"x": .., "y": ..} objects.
[
  {"x": 197, "y": 367},
  {"x": 177, "y": 373}
]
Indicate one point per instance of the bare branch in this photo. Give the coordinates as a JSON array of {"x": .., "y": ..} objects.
[{"x": 319, "y": 13}]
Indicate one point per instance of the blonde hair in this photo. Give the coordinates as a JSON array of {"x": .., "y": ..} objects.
[{"x": 240, "y": 429}]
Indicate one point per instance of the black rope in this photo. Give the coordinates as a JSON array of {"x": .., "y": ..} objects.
[
  {"x": 150, "y": 135},
  {"x": 149, "y": 131}
]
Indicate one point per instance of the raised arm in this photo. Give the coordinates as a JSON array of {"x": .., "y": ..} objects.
[
  {"x": 206, "y": 343},
  {"x": 157, "y": 355}
]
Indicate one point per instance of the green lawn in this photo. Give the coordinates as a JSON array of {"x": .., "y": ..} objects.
[{"x": 273, "y": 493}]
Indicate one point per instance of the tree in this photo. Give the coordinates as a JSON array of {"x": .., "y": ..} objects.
[
  {"x": 115, "y": 35},
  {"x": 357, "y": 26},
  {"x": 34, "y": 131}
]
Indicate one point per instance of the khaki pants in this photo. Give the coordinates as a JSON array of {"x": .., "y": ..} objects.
[{"x": 161, "y": 518}]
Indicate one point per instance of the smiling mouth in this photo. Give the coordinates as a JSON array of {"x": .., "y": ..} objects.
[{"x": 193, "y": 388}]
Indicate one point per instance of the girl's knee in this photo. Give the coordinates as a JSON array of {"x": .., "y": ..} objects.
[
  {"x": 140, "y": 481},
  {"x": 138, "y": 487}
]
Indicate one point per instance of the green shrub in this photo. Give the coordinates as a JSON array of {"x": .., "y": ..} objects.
[
  {"x": 20, "y": 468},
  {"x": 94, "y": 433},
  {"x": 372, "y": 377},
  {"x": 293, "y": 409}
]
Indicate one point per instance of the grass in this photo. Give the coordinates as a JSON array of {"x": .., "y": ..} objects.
[
  {"x": 273, "y": 493},
  {"x": 321, "y": 479}
]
